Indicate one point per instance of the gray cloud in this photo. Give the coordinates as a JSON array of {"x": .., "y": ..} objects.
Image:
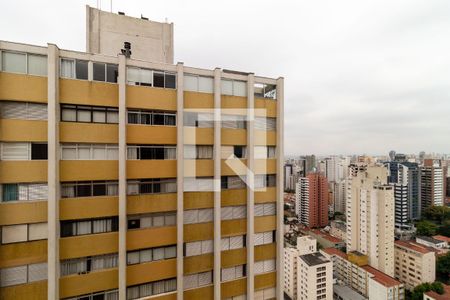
[{"x": 360, "y": 76}]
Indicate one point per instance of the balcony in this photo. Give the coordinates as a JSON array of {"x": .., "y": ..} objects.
[
  {"x": 85, "y": 92},
  {"x": 88, "y": 207}
]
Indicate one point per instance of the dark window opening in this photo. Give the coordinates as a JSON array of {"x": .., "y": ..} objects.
[
  {"x": 158, "y": 79},
  {"x": 134, "y": 224},
  {"x": 170, "y": 81},
  {"x": 39, "y": 151},
  {"x": 81, "y": 69},
  {"x": 112, "y": 73},
  {"x": 99, "y": 71},
  {"x": 239, "y": 151}
]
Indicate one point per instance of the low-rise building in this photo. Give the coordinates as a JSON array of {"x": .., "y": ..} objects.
[
  {"x": 324, "y": 239},
  {"x": 432, "y": 295},
  {"x": 431, "y": 242},
  {"x": 315, "y": 277},
  {"x": 414, "y": 263},
  {"x": 344, "y": 292},
  {"x": 338, "y": 229}
]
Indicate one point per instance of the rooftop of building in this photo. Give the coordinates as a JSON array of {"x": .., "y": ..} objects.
[
  {"x": 335, "y": 251},
  {"x": 436, "y": 296},
  {"x": 314, "y": 259},
  {"x": 430, "y": 239},
  {"x": 347, "y": 293},
  {"x": 442, "y": 238},
  {"x": 381, "y": 277},
  {"x": 411, "y": 245},
  {"x": 326, "y": 236}
]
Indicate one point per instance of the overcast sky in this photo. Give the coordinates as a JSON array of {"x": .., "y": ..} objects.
[{"x": 360, "y": 76}]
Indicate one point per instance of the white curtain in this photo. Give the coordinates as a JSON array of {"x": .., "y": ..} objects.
[
  {"x": 227, "y": 87},
  {"x": 204, "y": 152},
  {"x": 36, "y": 111},
  {"x": 204, "y": 278},
  {"x": 207, "y": 246},
  {"x": 67, "y": 68},
  {"x": 158, "y": 287},
  {"x": 240, "y": 88},
  {"x": 37, "y": 65},
  {"x": 83, "y": 227},
  {"x": 191, "y": 83},
  {"x": 14, "y": 62},
  {"x": 158, "y": 253},
  {"x": 145, "y": 255},
  {"x": 133, "y": 258},
  {"x": 133, "y": 75},
  {"x": 225, "y": 244},
  {"x": 205, "y": 84},
  {"x": 190, "y": 281},
  {"x": 13, "y": 110}
]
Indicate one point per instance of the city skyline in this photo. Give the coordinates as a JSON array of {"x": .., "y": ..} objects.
[{"x": 360, "y": 78}]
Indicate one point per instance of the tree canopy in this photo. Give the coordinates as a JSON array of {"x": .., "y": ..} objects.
[
  {"x": 417, "y": 293},
  {"x": 443, "y": 268},
  {"x": 427, "y": 228}
]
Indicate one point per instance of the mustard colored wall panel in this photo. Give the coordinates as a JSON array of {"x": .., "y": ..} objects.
[
  {"x": 193, "y": 100},
  {"x": 234, "y": 136},
  {"x": 12, "y": 87},
  {"x": 150, "y": 98},
  {"x": 204, "y": 293},
  {"x": 267, "y": 280},
  {"x": 233, "y": 167},
  {"x": 92, "y": 282},
  {"x": 86, "y": 170},
  {"x": 193, "y": 200},
  {"x": 85, "y": 92},
  {"x": 139, "y": 204},
  {"x": 155, "y": 135},
  {"x": 198, "y": 232},
  {"x": 233, "y": 227},
  {"x": 263, "y": 138},
  {"x": 233, "y": 257},
  {"x": 88, "y": 245},
  {"x": 199, "y": 136},
  {"x": 230, "y": 102},
  {"x": 151, "y": 169},
  {"x": 266, "y": 223},
  {"x": 270, "y": 107},
  {"x": 171, "y": 296},
  {"x": 265, "y": 166},
  {"x": 23, "y": 130},
  {"x": 151, "y": 237},
  {"x": 234, "y": 197},
  {"x": 73, "y": 132},
  {"x": 198, "y": 263},
  {"x": 23, "y": 212},
  {"x": 23, "y": 171},
  {"x": 198, "y": 168},
  {"x": 233, "y": 288},
  {"x": 265, "y": 252},
  {"x": 18, "y": 254},
  {"x": 269, "y": 195},
  {"x": 88, "y": 207},
  {"x": 151, "y": 271},
  {"x": 34, "y": 290}
]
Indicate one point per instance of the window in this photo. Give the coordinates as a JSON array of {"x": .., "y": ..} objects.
[
  {"x": 233, "y": 212},
  {"x": 23, "y": 232},
  {"x": 145, "y": 77},
  {"x": 37, "y": 65},
  {"x": 263, "y": 238},
  {"x": 89, "y": 114},
  {"x": 233, "y": 242},
  {"x": 152, "y": 220},
  {"x": 263, "y": 181},
  {"x": 151, "y": 288},
  {"x": 264, "y": 266},
  {"x": 234, "y": 122},
  {"x": 198, "y": 248},
  {"x": 74, "y": 68},
  {"x": 105, "y": 72},
  {"x": 23, "y": 110},
  {"x": 151, "y": 254},
  {"x": 233, "y": 152},
  {"x": 232, "y": 182},
  {"x": 89, "y": 152},
  {"x": 232, "y": 273},
  {"x": 198, "y": 152},
  {"x": 268, "y": 91},
  {"x": 264, "y": 152},
  {"x": 201, "y": 120},
  {"x": 23, "y": 274},
  {"x": 194, "y": 216},
  {"x": 89, "y": 189},
  {"x": 24, "y": 63},
  {"x": 143, "y": 152},
  {"x": 106, "y": 295},
  {"x": 89, "y": 226},
  {"x": 24, "y": 191},
  {"x": 196, "y": 83},
  {"x": 266, "y": 209},
  {"x": 234, "y": 88},
  {"x": 198, "y": 184},
  {"x": 147, "y": 117},
  {"x": 197, "y": 280},
  {"x": 88, "y": 264},
  {"x": 265, "y": 124},
  {"x": 23, "y": 151},
  {"x": 152, "y": 186}
]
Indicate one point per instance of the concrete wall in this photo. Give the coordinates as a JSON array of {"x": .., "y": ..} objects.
[{"x": 106, "y": 32}]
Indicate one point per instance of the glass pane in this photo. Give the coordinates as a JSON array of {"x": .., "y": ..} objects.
[
  {"x": 84, "y": 153},
  {"x": 99, "y": 71},
  {"x": 37, "y": 65},
  {"x": 158, "y": 79},
  {"x": 146, "y": 77},
  {"x": 69, "y": 153},
  {"x": 84, "y": 116},
  {"x": 111, "y": 73},
  {"x": 69, "y": 115},
  {"x": 67, "y": 68},
  {"x": 99, "y": 116},
  {"x": 170, "y": 81},
  {"x": 81, "y": 69},
  {"x": 14, "y": 62},
  {"x": 112, "y": 117},
  {"x": 133, "y": 75}
]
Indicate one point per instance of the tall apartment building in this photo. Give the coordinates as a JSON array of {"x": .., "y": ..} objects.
[
  {"x": 431, "y": 183},
  {"x": 370, "y": 218},
  {"x": 352, "y": 270},
  {"x": 414, "y": 263},
  {"x": 315, "y": 277},
  {"x": 123, "y": 178},
  {"x": 305, "y": 245},
  {"x": 312, "y": 200},
  {"x": 288, "y": 174}
]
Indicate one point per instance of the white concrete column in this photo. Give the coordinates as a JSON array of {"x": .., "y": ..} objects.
[
  {"x": 180, "y": 179},
  {"x": 280, "y": 187},
  {"x": 217, "y": 182},
  {"x": 90, "y": 70},
  {"x": 250, "y": 182},
  {"x": 53, "y": 172},
  {"x": 122, "y": 179}
]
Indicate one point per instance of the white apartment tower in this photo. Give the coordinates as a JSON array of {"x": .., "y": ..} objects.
[
  {"x": 302, "y": 200},
  {"x": 370, "y": 218}
]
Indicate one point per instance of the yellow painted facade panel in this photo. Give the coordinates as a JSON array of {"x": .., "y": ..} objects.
[
  {"x": 88, "y": 207},
  {"x": 12, "y": 130},
  {"x": 199, "y": 136},
  {"x": 265, "y": 166},
  {"x": 204, "y": 293},
  {"x": 193, "y": 100},
  {"x": 34, "y": 290},
  {"x": 233, "y": 257},
  {"x": 12, "y": 87},
  {"x": 234, "y": 197},
  {"x": 233, "y": 167},
  {"x": 193, "y": 200},
  {"x": 266, "y": 280},
  {"x": 23, "y": 171},
  {"x": 269, "y": 105},
  {"x": 234, "y": 227},
  {"x": 140, "y": 204},
  {"x": 265, "y": 252},
  {"x": 233, "y": 288},
  {"x": 22, "y": 212},
  {"x": 150, "y": 98},
  {"x": 198, "y": 232},
  {"x": 18, "y": 254},
  {"x": 151, "y": 237},
  {"x": 266, "y": 223},
  {"x": 86, "y": 92},
  {"x": 151, "y": 271},
  {"x": 156, "y": 168},
  {"x": 233, "y": 137},
  {"x": 83, "y": 170},
  {"x": 92, "y": 282},
  {"x": 269, "y": 195},
  {"x": 73, "y": 132},
  {"x": 198, "y": 263},
  {"x": 198, "y": 168},
  {"x": 88, "y": 245},
  {"x": 155, "y": 135},
  {"x": 265, "y": 138},
  {"x": 230, "y": 102}
]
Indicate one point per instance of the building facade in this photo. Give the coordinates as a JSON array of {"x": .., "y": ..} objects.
[
  {"x": 370, "y": 218},
  {"x": 315, "y": 277},
  {"x": 312, "y": 200},
  {"x": 431, "y": 184},
  {"x": 123, "y": 178}
]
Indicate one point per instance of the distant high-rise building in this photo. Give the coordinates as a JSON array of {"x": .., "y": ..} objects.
[
  {"x": 312, "y": 200},
  {"x": 392, "y": 154},
  {"x": 431, "y": 184},
  {"x": 288, "y": 172},
  {"x": 370, "y": 218}
]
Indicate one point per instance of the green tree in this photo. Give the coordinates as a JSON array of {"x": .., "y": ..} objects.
[
  {"x": 417, "y": 293},
  {"x": 439, "y": 214},
  {"x": 427, "y": 228},
  {"x": 444, "y": 229},
  {"x": 443, "y": 268}
]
